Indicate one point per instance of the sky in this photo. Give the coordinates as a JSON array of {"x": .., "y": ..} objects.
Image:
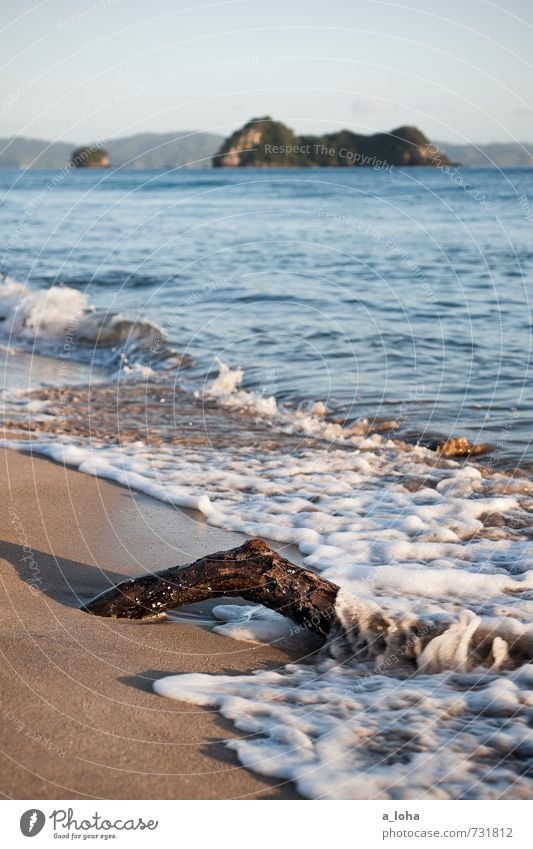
[{"x": 90, "y": 70}]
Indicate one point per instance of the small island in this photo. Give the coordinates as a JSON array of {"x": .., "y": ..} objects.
[
  {"x": 264, "y": 143},
  {"x": 89, "y": 157}
]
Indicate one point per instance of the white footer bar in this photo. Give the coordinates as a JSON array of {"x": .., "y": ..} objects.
[{"x": 264, "y": 825}]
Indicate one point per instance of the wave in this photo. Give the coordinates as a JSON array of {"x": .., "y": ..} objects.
[
  {"x": 60, "y": 322},
  {"x": 309, "y": 420}
]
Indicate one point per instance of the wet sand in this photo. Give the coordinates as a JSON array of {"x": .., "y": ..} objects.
[{"x": 78, "y": 716}]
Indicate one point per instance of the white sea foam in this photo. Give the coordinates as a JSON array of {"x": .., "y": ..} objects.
[
  {"x": 226, "y": 390},
  {"x": 39, "y": 314},
  {"x": 311, "y": 422},
  {"x": 257, "y": 624},
  {"x": 343, "y": 735}
]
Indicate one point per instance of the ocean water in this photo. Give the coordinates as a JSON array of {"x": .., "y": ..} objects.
[
  {"x": 401, "y": 295},
  {"x": 282, "y": 350}
]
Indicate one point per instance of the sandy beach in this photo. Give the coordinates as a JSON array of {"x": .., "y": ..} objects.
[{"x": 78, "y": 715}]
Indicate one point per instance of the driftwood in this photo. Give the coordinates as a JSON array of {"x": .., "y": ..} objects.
[
  {"x": 252, "y": 571},
  {"x": 255, "y": 572}
]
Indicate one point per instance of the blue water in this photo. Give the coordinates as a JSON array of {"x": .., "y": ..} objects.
[{"x": 400, "y": 294}]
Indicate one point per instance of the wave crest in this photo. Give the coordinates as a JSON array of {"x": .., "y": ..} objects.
[{"x": 60, "y": 321}]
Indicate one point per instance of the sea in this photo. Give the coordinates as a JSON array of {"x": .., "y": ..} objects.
[{"x": 286, "y": 351}]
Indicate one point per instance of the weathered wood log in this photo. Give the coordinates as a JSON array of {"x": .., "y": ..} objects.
[
  {"x": 255, "y": 572},
  {"x": 252, "y": 571}
]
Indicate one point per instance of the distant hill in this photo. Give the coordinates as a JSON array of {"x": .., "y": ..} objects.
[
  {"x": 196, "y": 149},
  {"x": 496, "y": 155},
  {"x": 145, "y": 150},
  {"x": 34, "y": 153},
  {"x": 264, "y": 143},
  {"x": 164, "y": 150}
]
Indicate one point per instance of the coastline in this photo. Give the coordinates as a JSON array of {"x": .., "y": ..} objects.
[{"x": 79, "y": 717}]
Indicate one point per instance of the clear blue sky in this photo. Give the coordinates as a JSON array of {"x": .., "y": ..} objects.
[{"x": 82, "y": 70}]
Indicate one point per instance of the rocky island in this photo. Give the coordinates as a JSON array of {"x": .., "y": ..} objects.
[
  {"x": 89, "y": 157},
  {"x": 263, "y": 143}
]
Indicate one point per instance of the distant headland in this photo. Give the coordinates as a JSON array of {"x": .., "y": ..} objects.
[{"x": 265, "y": 143}]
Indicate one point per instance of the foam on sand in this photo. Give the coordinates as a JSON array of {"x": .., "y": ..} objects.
[
  {"x": 401, "y": 714},
  {"x": 340, "y": 735}
]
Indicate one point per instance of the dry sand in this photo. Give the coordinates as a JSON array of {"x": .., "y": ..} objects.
[{"x": 77, "y": 713}]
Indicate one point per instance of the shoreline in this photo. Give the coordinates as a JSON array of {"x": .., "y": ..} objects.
[
  {"x": 63, "y": 389},
  {"x": 79, "y": 717}
]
